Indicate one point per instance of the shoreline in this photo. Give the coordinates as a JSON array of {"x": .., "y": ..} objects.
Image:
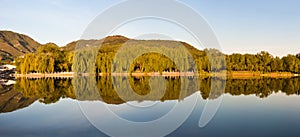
[{"x": 235, "y": 74}]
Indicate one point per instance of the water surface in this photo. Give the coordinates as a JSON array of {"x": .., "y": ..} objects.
[{"x": 54, "y": 107}]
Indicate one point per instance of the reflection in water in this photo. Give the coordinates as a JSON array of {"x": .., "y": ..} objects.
[
  {"x": 263, "y": 87},
  {"x": 11, "y": 100},
  {"x": 46, "y": 90},
  {"x": 51, "y": 90}
]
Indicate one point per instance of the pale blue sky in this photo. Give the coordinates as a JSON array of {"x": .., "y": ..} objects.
[{"x": 241, "y": 26}]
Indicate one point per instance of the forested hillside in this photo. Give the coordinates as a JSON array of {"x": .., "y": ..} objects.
[{"x": 50, "y": 58}]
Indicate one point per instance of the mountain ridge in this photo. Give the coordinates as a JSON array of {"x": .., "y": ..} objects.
[{"x": 13, "y": 44}]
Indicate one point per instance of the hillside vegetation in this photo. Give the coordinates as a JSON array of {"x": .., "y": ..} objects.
[{"x": 118, "y": 54}]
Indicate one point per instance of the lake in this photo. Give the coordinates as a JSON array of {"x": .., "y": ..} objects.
[{"x": 150, "y": 106}]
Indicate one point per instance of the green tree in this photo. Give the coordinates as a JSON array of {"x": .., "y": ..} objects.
[
  {"x": 291, "y": 63},
  {"x": 276, "y": 65}
]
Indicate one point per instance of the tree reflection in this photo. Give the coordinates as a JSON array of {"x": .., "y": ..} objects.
[
  {"x": 11, "y": 100},
  {"x": 46, "y": 90},
  {"x": 176, "y": 88},
  {"x": 262, "y": 87}
]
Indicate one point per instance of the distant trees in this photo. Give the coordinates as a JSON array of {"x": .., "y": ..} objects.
[
  {"x": 277, "y": 65},
  {"x": 167, "y": 56},
  {"x": 263, "y": 62},
  {"x": 291, "y": 63}
]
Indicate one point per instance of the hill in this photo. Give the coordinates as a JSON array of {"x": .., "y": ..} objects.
[
  {"x": 13, "y": 44},
  {"x": 108, "y": 40}
]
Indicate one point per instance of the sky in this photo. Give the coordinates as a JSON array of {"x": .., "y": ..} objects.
[{"x": 240, "y": 26}]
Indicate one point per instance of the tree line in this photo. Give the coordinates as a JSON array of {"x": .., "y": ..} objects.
[
  {"x": 120, "y": 55},
  {"x": 263, "y": 62},
  {"x": 48, "y": 58}
]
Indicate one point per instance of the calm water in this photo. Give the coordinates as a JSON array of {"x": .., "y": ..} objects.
[{"x": 149, "y": 107}]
